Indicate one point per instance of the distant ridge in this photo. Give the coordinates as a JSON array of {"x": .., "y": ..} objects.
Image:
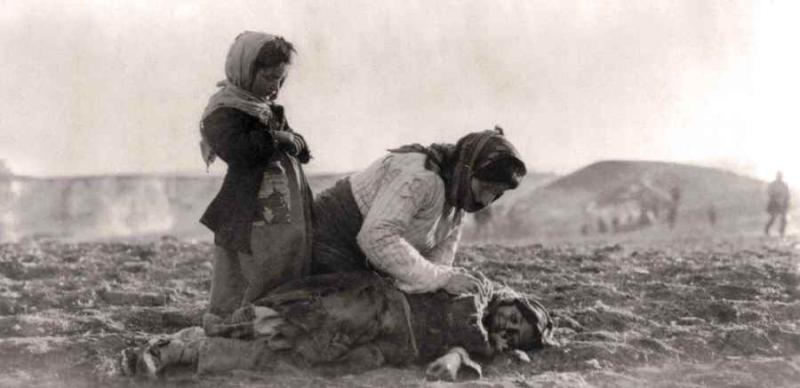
[
  {"x": 607, "y": 173},
  {"x": 615, "y": 190}
]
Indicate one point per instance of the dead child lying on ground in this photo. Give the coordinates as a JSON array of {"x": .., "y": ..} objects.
[{"x": 352, "y": 322}]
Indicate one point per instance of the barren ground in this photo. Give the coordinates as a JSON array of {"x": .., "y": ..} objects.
[{"x": 673, "y": 312}]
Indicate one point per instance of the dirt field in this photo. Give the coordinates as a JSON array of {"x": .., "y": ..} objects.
[{"x": 677, "y": 312}]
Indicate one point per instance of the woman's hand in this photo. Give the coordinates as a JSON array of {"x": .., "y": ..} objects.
[{"x": 461, "y": 282}]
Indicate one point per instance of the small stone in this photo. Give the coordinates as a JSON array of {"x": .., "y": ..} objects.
[
  {"x": 690, "y": 321},
  {"x": 72, "y": 258},
  {"x": 521, "y": 356},
  {"x": 134, "y": 266},
  {"x": 593, "y": 363},
  {"x": 121, "y": 298}
]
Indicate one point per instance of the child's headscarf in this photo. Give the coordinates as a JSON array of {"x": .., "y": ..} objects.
[
  {"x": 234, "y": 90},
  {"x": 458, "y": 163}
]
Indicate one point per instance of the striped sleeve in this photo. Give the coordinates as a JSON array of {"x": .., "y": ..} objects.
[
  {"x": 381, "y": 236},
  {"x": 445, "y": 252}
]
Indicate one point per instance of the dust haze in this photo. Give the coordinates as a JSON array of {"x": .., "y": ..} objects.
[{"x": 614, "y": 106}]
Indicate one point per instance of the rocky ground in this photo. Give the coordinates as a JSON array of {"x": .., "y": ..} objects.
[{"x": 676, "y": 312}]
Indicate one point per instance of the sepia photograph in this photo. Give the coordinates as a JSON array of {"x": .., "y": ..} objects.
[{"x": 352, "y": 193}]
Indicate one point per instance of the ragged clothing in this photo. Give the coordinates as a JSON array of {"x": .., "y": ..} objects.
[
  {"x": 261, "y": 217},
  {"x": 350, "y": 322},
  {"x": 326, "y": 317},
  {"x": 248, "y": 148},
  {"x": 239, "y": 126}
]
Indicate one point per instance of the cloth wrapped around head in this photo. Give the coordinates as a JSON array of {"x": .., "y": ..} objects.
[
  {"x": 532, "y": 311},
  {"x": 245, "y": 56},
  {"x": 486, "y": 155}
]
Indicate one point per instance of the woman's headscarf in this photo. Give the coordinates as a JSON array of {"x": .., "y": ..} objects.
[
  {"x": 234, "y": 90},
  {"x": 458, "y": 163}
]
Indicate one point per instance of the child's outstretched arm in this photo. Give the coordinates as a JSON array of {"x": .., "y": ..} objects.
[{"x": 447, "y": 366}]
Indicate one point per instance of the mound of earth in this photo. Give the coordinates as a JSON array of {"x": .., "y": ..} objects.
[
  {"x": 619, "y": 192},
  {"x": 680, "y": 312}
]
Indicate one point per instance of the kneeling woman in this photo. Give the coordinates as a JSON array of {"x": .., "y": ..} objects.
[{"x": 402, "y": 215}]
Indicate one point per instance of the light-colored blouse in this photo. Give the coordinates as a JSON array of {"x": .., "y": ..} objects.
[{"x": 408, "y": 231}]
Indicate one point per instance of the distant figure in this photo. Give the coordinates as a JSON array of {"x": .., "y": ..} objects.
[
  {"x": 615, "y": 224},
  {"x": 6, "y": 207},
  {"x": 778, "y": 203},
  {"x": 644, "y": 218},
  {"x": 602, "y": 228},
  {"x": 675, "y": 199},
  {"x": 712, "y": 215},
  {"x": 584, "y": 230}
]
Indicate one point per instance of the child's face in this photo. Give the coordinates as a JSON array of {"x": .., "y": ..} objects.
[
  {"x": 508, "y": 329},
  {"x": 268, "y": 80}
]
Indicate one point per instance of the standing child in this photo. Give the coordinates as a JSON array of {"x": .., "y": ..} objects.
[{"x": 261, "y": 215}]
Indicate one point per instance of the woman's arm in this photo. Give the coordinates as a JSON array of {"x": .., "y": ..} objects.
[
  {"x": 381, "y": 236},
  {"x": 445, "y": 252},
  {"x": 447, "y": 366}
]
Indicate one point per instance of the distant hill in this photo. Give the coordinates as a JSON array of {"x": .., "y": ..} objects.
[{"x": 617, "y": 191}]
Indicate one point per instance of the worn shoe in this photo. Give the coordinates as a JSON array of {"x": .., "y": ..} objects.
[{"x": 141, "y": 361}]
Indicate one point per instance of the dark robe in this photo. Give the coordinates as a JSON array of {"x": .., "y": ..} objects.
[{"x": 246, "y": 145}]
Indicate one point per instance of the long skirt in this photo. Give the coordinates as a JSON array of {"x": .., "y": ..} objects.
[{"x": 337, "y": 221}]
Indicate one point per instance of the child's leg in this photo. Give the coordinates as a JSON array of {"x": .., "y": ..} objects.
[
  {"x": 227, "y": 284},
  {"x": 769, "y": 222},
  {"x": 220, "y": 355},
  {"x": 783, "y": 223},
  {"x": 250, "y": 322},
  {"x": 358, "y": 360}
]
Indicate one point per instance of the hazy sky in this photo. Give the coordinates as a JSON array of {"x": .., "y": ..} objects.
[{"x": 118, "y": 86}]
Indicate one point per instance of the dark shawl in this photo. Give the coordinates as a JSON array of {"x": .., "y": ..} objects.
[{"x": 458, "y": 163}]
